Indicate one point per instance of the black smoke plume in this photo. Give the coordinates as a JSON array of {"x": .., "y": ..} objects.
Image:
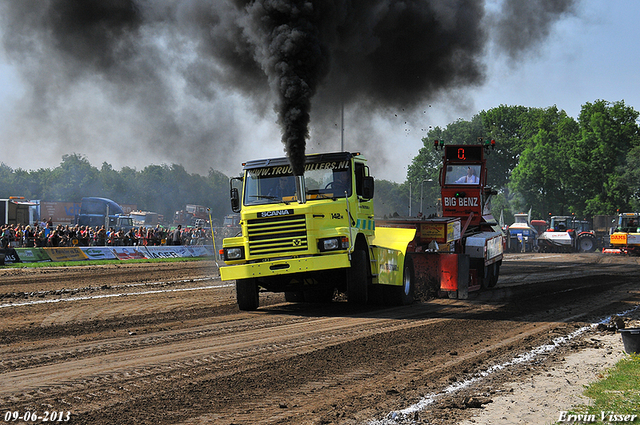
[{"x": 168, "y": 60}]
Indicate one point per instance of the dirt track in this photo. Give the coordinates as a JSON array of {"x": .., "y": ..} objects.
[{"x": 166, "y": 344}]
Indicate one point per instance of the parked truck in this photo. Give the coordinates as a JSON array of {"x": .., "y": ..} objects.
[
  {"x": 190, "y": 214},
  {"x": 145, "y": 218},
  {"x": 522, "y": 235},
  {"x": 18, "y": 210},
  {"x": 96, "y": 211},
  {"x": 626, "y": 235},
  {"x": 313, "y": 234}
]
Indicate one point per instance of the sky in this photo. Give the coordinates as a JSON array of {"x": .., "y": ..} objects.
[{"x": 55, "y": 105}]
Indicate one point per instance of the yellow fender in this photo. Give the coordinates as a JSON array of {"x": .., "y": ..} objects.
[{"x": 389, "y": 248}]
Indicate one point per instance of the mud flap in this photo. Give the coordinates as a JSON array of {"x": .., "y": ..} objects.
[
  {"x": 455, "y": 275},
  {"x": 449, "y": 272}
]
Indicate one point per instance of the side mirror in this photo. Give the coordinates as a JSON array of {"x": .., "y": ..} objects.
[
  {"x": 367, "y": 187},
  {"x": 235, "y": 200}
]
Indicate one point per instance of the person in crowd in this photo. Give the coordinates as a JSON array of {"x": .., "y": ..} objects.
[
  {"x": 161, "y": 235},
  {"x": 41, "y": 239},
  {"x": 29, "y": 237},
  {"x": 19, "y": 236},
  {"x": 101, "y": 236},
  {"x": 4, "y": 237},
  {"x": 176, "y": 237},
  {"x": 111, "y": 234},
  {"x": 149, "y": 237},
  {"x": 54, "y": 238}
]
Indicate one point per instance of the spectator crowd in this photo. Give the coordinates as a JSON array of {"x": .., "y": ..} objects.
[{"x": 47, "y": 235}]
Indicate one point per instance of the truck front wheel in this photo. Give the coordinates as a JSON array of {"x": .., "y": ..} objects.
[
  {"x": 358, "y": 278},
  {"x": 247, "y": 294}
]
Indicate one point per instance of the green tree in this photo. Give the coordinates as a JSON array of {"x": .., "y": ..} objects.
[
  {"x": 630, "y": 177},
  {"x": 73, "y": 179},
  {"x": 608, "y": 131}
]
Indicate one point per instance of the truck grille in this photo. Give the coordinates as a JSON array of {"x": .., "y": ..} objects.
[{"x": 281, "y": 234}]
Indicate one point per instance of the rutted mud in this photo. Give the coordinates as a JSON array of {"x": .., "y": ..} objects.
[{"x": 149, "y": 343}]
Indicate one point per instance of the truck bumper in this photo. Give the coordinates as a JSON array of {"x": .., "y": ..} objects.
[{"x": 285, "y": 266}]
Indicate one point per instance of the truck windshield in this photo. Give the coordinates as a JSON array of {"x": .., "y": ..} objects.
[
  {"x": 561, "y": 224},
  {"x": 463, "y": 174},
  {"x": 629, "y": 224},
  {"x": 277, "y": 184}
]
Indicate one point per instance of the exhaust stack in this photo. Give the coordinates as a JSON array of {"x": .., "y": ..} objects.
[{"x": 301, "y": 190}]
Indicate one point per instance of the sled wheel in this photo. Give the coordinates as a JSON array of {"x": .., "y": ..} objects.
[{"x": 495, "y": 272}]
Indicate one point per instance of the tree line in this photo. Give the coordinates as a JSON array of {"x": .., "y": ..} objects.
[
  {"x": 545, "y": 161},
  {"x": 164, "y": 189}
]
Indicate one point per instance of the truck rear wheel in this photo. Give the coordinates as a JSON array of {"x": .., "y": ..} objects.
[
  {"x": 247, "y": 294},
  {"x": 358, "y": 278},
  {"x": 403, "y": 295}
]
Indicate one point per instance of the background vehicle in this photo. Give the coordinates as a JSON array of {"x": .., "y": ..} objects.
[
  {"x": 17, "y": 210},
  {"x": 145, "y": 218},
  {"x": 626, "y": 236},
  {"x": 567, "y": 234},
  {"x": 522, "y": 235},
  {"x": 190, "y": 214},
  {"x": 319, "y": 234},
  {"x": 102, "y": 212}
]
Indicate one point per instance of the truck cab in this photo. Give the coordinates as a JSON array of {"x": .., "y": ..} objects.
[
  {"x": 522, "y": 234},
  {"x": 300, "y": 234},
  {"x": 626, "y": 235},
  {"x": 466, "y": 194}
]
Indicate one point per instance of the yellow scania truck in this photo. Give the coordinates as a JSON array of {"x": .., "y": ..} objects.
[{"x": 309, "y": 236}]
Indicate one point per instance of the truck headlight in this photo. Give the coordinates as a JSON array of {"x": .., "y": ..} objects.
[
  {"x": 333, "y": 244},
  {"x": 234, "y": 253}
]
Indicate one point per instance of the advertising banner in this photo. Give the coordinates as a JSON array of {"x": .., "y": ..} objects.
[
  {"x": 99, "y": 253},
  {"x": 10, "y": 256},
  {"x": 168, "y": 251},
  {"x": 32, "y": 255},
  {"x": 200, "y": 250},
  {"x": 65, "y": 254},
  {"x": 129, "y": 252}
]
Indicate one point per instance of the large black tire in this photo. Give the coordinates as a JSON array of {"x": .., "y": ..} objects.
[
  {"x": 494, "y": 274},
  {"x": 403, "y": 295},
  {"x": 484, "y": 276},
  {"x": 586, "y": 243},
  {"x": 358, "y": 278},
  {"x": 247, "y": 294}
]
